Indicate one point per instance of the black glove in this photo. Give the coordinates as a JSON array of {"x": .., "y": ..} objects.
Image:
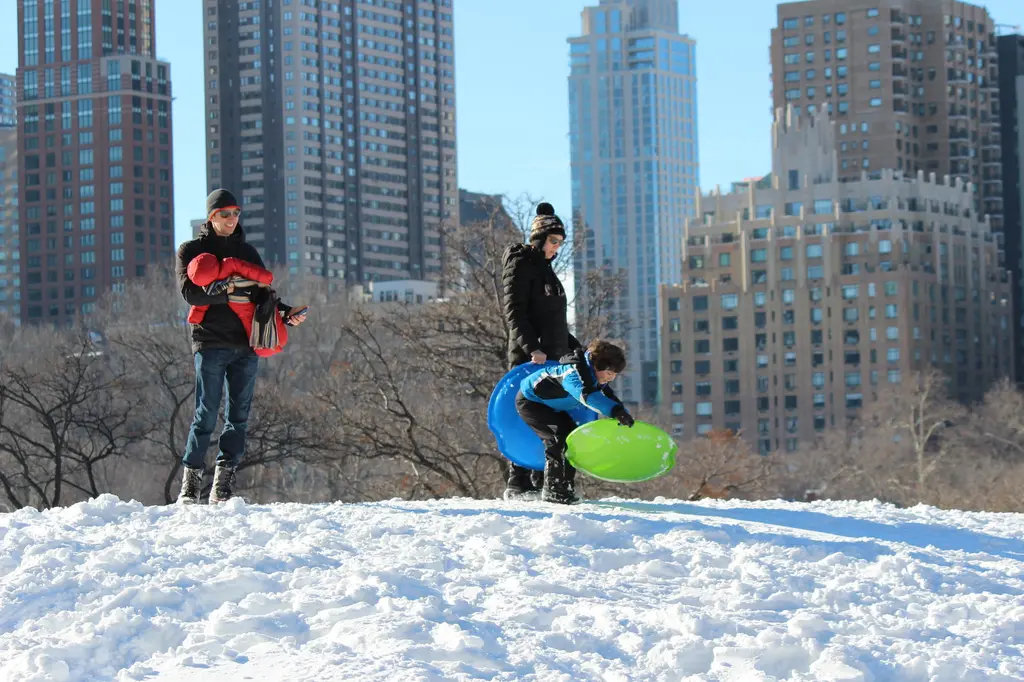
[
  {"x": 624, "y": 418},
  {"x": 266, "y": 304}
]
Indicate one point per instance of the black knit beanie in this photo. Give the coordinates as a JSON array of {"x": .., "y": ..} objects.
[
  {"x": 218, "y": 199},
  {"x": 544, "y": 224}
]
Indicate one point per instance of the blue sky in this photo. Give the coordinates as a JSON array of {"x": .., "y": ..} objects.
[{"x": 511, "y": 87}]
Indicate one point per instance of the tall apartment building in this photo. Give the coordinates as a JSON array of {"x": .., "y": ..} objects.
[
  {"x": 804, "y": 297},
  {"x": 913, "y": 85},
  {"x": 8, "y": 101},
  {"x": 476, "y": 208},
  {"x": 94, "y": 114},
  {"x": 9, "y": 239},
  {"x": 335, "y": 124},
  {"x": 10, "y": 268},
  {"x": 1011, "y": 106},
  {"x": 634, "y": 156}
]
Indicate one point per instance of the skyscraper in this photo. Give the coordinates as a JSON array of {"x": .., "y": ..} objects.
[
  {"x": 94, "y": 114},
  {"x": 633, "y": 145},
  {"x": 912, "y": 85},
  {"x": 335, "y": 124},
  {"x": 10, "y": 268},
  {"x": 8, "y": 99},
  {"x": 1011, "y": 109},
  {"x": 805, "y": 295},
  {"x": 9, "y": 239}
]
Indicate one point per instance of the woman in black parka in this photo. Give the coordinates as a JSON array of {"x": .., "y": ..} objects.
[{"x": 536, "y": 311}]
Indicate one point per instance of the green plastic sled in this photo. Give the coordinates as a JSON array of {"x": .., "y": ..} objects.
[{"x": 611, "y": 452}]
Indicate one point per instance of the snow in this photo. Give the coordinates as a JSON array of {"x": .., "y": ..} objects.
[{"x": 461, "y": 589}]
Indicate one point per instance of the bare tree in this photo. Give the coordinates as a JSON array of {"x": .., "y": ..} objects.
[
  {"x": 145, "y": 328},
  {"x": 392, "y": 408},
  {"x": 998, "y": 422},
  {"x": 923, "y": 422},
  {"x": 596, "y": 314},
  {"x": 851, "y": 461},
  {"x": 65, "y": 411}
]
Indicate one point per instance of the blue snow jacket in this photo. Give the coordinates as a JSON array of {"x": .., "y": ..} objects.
[{"x": 569, "y": 385}]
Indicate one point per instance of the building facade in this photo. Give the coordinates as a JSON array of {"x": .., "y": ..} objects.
[
  {"x": 8, "y": 101},
  {"x": 10, "y": 267},
  {"x": 912, "y": 84},
  {"x": 802, "y": 299},
  {"x": 1011, "y": 106},
  {"x": 335, "y": 125},
  {"x": 476, "y": 209},
  {"x": 634, "y": 157},
  {"x": 94, "y": 115}
]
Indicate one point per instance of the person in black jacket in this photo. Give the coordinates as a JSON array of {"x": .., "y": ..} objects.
[
  {"x": 222, "y": 352},
  {"x": 536, "y": 311}
]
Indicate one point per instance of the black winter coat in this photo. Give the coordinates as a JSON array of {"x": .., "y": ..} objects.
[
  {"x": 221, "y": 327},
  {"x": 535, "y": 306}
]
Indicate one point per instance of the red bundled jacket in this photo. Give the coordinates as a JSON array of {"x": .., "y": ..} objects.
[{"x": 205, "y": 269}]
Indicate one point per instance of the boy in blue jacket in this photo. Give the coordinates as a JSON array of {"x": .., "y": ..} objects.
[{"x": 547, "y": 396}]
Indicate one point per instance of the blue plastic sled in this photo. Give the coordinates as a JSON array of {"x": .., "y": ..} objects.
[{"x": 516, "y": 440}]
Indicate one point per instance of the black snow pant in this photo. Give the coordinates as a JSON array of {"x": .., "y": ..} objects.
[
  {"x": 554, "y": 428},
  {"x": 520, "y": 479}
]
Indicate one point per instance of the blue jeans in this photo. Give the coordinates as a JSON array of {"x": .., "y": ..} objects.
[{"x": 215, "y": 368}]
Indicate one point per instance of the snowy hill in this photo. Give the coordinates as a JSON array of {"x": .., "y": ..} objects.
[{"x": 464, "y": 589}]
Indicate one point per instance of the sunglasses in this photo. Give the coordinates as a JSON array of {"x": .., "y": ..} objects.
[{"x": 228, "y": 213}]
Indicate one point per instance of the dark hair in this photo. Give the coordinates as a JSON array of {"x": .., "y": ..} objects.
[{"x": 605, "y": 355}]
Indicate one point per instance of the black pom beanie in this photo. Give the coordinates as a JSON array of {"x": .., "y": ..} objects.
[
  {"x": 219, "y": 199},
  {"x": 544, "y": 224}
]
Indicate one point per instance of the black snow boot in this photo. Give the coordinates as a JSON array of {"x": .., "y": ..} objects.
[
  {"x": 191, "y": 486},
  {"x": 223, "y": 482},
  {"x": 521, "y": 484},
  {"x": 559, "y": 481}
]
